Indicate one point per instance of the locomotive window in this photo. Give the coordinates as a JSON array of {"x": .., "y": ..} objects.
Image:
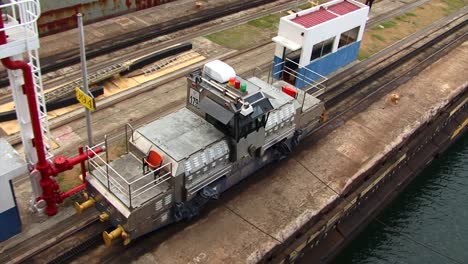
[
  {"x": 348, "y": 37},
  {"x": 322, "y": 48},
  {"x": 226, "y": 129},
  {"x": 249, "y": 125},
  {"x": 246, "y": 127},
  {"x": 261, "y": 121}
]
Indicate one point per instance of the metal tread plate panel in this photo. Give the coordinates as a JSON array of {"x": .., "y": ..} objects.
[
  {"x": 181, "y": 134},
  {"x": 277, "y": 97}
]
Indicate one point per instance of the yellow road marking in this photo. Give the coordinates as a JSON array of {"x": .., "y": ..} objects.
[{"x": 459, "y": 129}]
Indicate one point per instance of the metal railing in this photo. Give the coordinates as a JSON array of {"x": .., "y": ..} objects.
[
  {"x": 126, "y": 191},
  {"x": 312, "y": 80},
  {"x": 25, "y": 12}
]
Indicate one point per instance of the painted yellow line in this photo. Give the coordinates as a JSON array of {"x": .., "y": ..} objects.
[
  {"x": 350, "y": 204},
  {"x": 458, "y": 107},
  {"x": 383, "y": 175},
  {"x": 459, "y": 129}
]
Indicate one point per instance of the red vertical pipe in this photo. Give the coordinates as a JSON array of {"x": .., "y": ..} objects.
[
  {"x": 48, "y": 185},
  {"x": 50, "y": 189},
  {"x": 30, "y": 94}
]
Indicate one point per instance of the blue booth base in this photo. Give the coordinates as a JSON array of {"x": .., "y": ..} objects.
[
  {"x": 10, "y": 223},
  {"x": 325, "y": 65}
]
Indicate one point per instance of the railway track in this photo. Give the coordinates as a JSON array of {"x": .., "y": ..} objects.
[
  {"x": 134, "y": 38},
  {"x": 134, "y": 50},
  {"x": 101, "y": 104},
  {"x": 181, "y": 36},
  {"x": 346, "y": 102},
  {"x": 342, "y": 104},
  {"x": 362, "y": 99},
  {"x": 66, "y": 248}
]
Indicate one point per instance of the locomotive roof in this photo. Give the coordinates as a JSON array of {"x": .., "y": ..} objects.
[{"x": 180, "y": 134}]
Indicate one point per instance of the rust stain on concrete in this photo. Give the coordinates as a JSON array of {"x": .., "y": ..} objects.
[{"x": 60, "y": 19}]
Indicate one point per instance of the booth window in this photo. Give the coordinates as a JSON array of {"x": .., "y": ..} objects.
[
  {"x": 322, "y": 48},
  {"x": 348, "y": 37}
]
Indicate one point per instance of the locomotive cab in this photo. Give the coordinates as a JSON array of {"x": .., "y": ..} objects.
[
  {"x": 235, "y": 106},
  {"x": 230, "y": 128}
]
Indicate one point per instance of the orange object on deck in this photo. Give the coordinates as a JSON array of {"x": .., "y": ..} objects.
[{"x": 154, "y": 160}]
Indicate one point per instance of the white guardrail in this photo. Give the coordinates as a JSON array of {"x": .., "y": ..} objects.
[{"x": 108, "y": 176}]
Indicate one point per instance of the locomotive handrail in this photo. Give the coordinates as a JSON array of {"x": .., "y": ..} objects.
[
  {"x": 313, "y": 83},
  {"x": 126, "y": 135},
  {"x": 305, "y": 79},
  {"x": 308, "y": 81},
  {"x": 157, "y": 180},
  {"x": 98, "y": 167},
  {"x": 124, "y": 187},
  {"x": 151, "y": 172},
  {"x": 225, "y": 91}
]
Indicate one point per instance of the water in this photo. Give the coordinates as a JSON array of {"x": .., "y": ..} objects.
[{"x": 432, "y": 210}]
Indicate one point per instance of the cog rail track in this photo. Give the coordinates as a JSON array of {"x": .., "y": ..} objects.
[{"x": 343, "y": 104}]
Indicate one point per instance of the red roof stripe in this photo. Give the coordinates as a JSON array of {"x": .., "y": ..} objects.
[
  {"x": 314, "y": 18},
  {"x": 343, "y": 8},
  {"x": 322, "y": 15}
]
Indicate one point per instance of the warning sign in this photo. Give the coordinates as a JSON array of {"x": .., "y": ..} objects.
[{"x": 86, "y": 100}]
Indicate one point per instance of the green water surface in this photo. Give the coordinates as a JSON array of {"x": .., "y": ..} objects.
[{"x": 432, "y": 210}]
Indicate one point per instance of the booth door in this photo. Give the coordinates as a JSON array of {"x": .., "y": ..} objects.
[{"x": 291, "y": 65}]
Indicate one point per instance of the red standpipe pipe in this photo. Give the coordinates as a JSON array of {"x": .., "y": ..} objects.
[
  {"x": 47, "y": 184},
  {"x": 50, "y": 189}
]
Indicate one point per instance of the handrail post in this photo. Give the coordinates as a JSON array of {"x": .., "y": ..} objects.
[
  {"x": 87, "y": 160},
  {"x": 270, "y": 74},
  {"x": 107, "y": 162},
  {"x": 133, "y": 132},
  {"x": 126, "y": 138},
  {"x": 130, "y": 195}
]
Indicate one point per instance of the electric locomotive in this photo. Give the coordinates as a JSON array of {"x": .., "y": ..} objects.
[{"x": 229, "y": 128}]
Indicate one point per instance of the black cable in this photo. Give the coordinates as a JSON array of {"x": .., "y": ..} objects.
[
  {"x": 256, "y": 227},
  {"x": 382, "y": 223}
]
